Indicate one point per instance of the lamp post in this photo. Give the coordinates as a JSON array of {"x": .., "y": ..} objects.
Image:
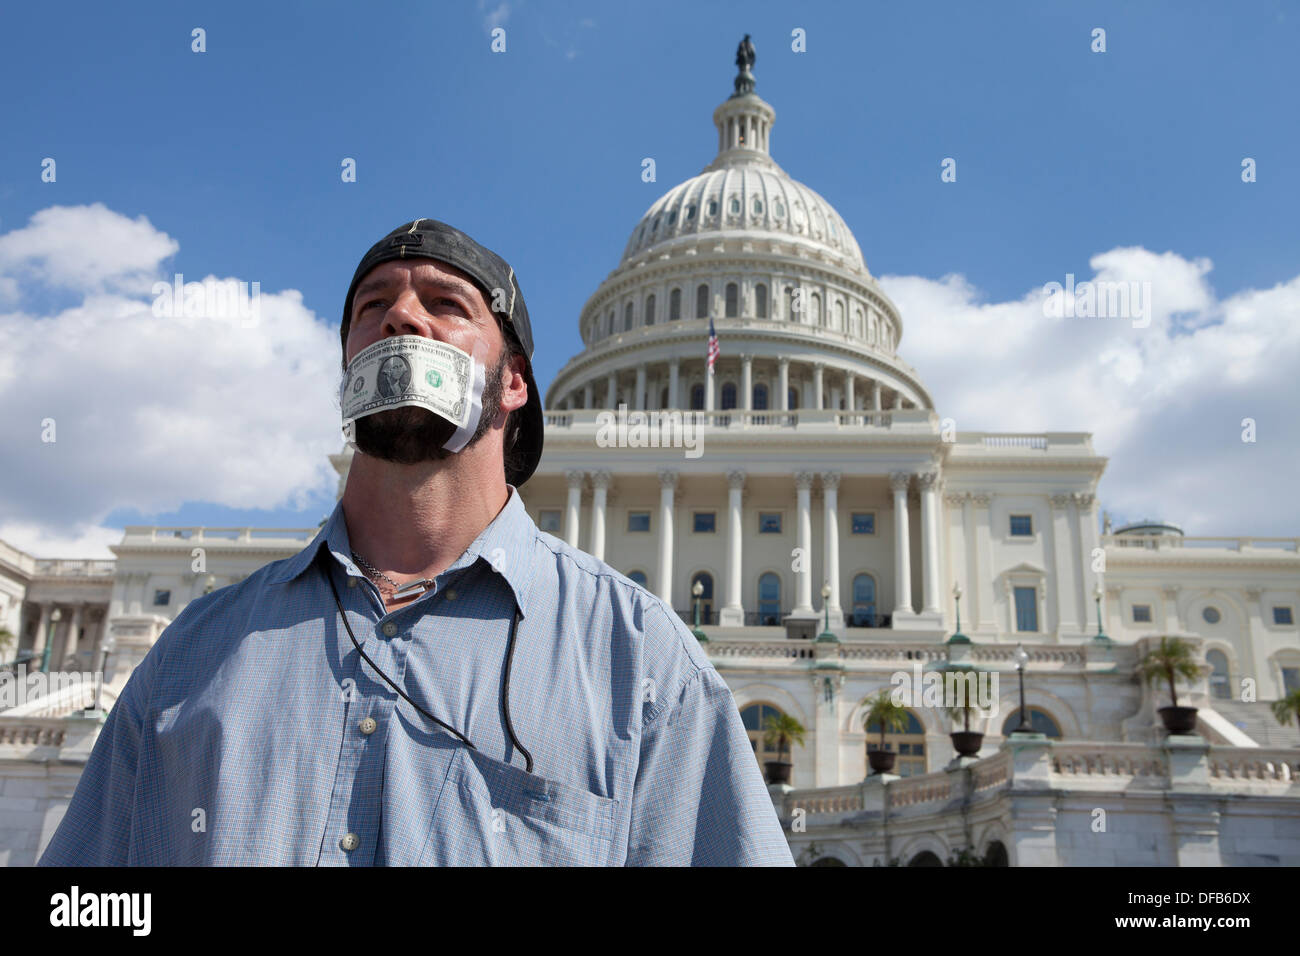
[
  {"x": 826, "y": 637},
  {"x": 697, "y": 589},
  {"x": 209, "y": 585},
  {"x": 958, "y": 637},
  {"x": 55, "y": 616},
  {"x": 1021, "y": 660},
  {"x": 1100, "y": 638}
]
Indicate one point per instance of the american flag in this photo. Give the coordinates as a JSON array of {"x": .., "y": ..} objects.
[{"x": 713, "y": 345}]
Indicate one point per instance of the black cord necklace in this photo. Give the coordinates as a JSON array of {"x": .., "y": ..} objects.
[{"x": 505, "y": 681}]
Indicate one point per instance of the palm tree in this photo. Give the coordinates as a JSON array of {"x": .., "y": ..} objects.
[
  {"x": 781, "y": 730},
  {"x": 1288, "y": 708},
  {"x": 6, "y": 638},
  {"x": 964, "y": 710},
  {"x": 1169, "y": 662},
  {"x": 884, "y": 711}
]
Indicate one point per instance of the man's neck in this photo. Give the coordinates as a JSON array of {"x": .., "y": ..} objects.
[{"x": 416, "y": 520}]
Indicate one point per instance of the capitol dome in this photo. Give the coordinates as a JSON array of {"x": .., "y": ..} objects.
[{"x": 801, "y": 322}]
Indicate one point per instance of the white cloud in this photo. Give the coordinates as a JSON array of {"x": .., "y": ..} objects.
[
  {"x": 153, "y": 412},
  {"x": 1164, "y": 402},
  {"x": 85, "y": 249},
  {"x": 495, "y": 17}
]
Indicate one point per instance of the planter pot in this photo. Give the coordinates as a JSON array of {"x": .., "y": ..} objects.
[
  {"x": 967, "y": 743},
  {"x": 881, "y": 761},
  {"x": 778, "y": 771},
  {"x": 1179, "y": 720}
]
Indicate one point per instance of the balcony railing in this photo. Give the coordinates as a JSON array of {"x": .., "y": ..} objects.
[
  {"x": 706, "y": 617},
  {"x": 75, "y": 568},
  {"x": 733, "y": 418},
  {"x": 1167, "y": 542}
]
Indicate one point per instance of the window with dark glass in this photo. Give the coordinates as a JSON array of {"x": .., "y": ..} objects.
[
  {"x": 769, "y": 600},
  {"x": 760, "y": 397},
  {"x": 769, "y": 522},
  {"x": 1282, "y": 614},
  {"x": 1026, "y": 609},
  {"x": 675, "y": 305},
  {"x": 702, "y": 302},
  {"x": 864, "y": 522},
  {"x": 729, "y": 395},
  {"x": 650, "y": 310},
  {"x": 638, "y": 521},
  {"x": 548, "y": 520},
  {"x": 760, "y": 301},
  {"x": 1022, "y": 526},
  {"x": 1040, "y": 720},
  {"x": 162, "y": 598},
  {"x": 1141, "y": 613},
  {"x": 864, "y": 601},
  {"x": 733, "y": 300},
  {"x": 697, "y": 397},
  {"x": 705, "y": 522}
]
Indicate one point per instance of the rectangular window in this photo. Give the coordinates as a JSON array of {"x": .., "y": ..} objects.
[
  {"x": 705, "y": 522},
  {"x": 1290, "y": 679},
  {"x": 1022, "y": 526},
  {"x": 162, "y": 598},
  {"x": 769, "y": 522},
  {"x": 638, "y": 521},
  {"x": 548, "y": 520},
  {"x": 1026, "y": 609},
  {"x": 1283, "y": 615},
  {"x": 1141, "y": 613},
  {"x": 864, "y": 522}
]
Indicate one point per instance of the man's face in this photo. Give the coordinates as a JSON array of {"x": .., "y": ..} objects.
[{"x": 438, "y": 301}]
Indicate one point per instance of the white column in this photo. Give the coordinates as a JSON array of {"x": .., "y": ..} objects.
[
  {"x": 831, "y": 535},
  {"x": 708, "y": 392},
  {"x": 674, "y": 373},
  {"x": 69, "y": 645},
  {"x": 902, "y": 547},
  {"x": 599, "y": 486},
  {"x": 875, "y": 395},
  {"x": 783, "y": 368},
  {"x": 1062, "y": 583},
  {"x": 42, "y": 631},
  {"x": 611, "y": 391},
  {"x": 818, "y": 370},
  {"x": 747, "y": 382},
  {"x": 982, "y": 580},
  {"x": 1086, "y": 533},
  {"x": 928, "y": 484},
  {"x": 571, "y": 512},
  {"x": 850, "y": 400},
  {"x": 638, "y": 400},
  {"x": 803, "y": 482},
  {"x": 667, "y": 485},
  {"x": 586, "y": 393},
  {"x": 733, "y": 614}
]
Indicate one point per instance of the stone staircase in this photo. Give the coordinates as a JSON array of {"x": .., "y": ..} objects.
[{"x": 1257, "y": 722}]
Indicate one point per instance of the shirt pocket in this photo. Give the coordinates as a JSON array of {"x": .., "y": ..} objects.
[{"x": 495, "y": 814}]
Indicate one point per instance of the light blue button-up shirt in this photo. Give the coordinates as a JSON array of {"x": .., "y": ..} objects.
[{"x": 253, "y": 732}]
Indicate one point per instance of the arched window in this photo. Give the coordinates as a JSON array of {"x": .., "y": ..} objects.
[
  {"x": 690, "y": 211},
  {"x": 1039, "y": 719},
  {"x": 760, "y": 397},
  {"x": 839, "y": 316},
  {"x": 735, "y": 205},
  {"x": 611, "y": 322},
  {"x": 792, "y": 397},
  {"x": 728, "y": 395},
  {"x": 909, "y": 745},
  {"x": 702, "y": 302},
  {"x": 769, "y": 600},
  {"x": 996, "y": 854},
  {"x": 828, "y": 861},
  {"x": 713, "y": 207},
  {"x": 650, "y": 309},
  {"x": 706, "y": 597},
  {"x": 755, "y": 717},
  {"x": 637, "y": 576},
  {"x": 864, "y": 601},
  {"x": 760, "y": 301},
  {"x": 674, "y": 305},
  {"x": 815, "y": 310},
  {"x": 925, "y": 858},
  {"x": 663, "y": 397},
  {"x": 627, "y": 317},
  {"x": 1219, "y": 680},
  {"x": 758, "y": 206},
  {"x": 697, "y": 397},
  {"x": 733, "y": 300}
]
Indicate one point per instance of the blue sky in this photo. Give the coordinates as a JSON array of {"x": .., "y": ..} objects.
[{"x": 1063, "y": 155}]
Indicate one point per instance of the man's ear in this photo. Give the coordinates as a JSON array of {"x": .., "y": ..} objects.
[{"x": 514, "y": 384}]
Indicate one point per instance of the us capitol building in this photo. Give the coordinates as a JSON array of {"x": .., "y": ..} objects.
[{"x": 828, "y": 526}]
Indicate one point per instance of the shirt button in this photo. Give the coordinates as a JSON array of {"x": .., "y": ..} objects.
[
  {"x": 349, "y": 842},
  {"x": 451, "y": 594},
  {"x": 390, "y": 629},
  {"x": 352, "y": 582},
  {"x": 367, "y": 726}
]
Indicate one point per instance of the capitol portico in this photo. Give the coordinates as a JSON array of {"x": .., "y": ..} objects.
[{"x": 828, "y": 528}]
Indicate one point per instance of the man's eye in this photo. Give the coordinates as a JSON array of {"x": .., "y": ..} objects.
[{"x": 370, "y": 303}]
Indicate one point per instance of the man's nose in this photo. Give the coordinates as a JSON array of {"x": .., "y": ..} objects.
[{"x": 406, "y": 316}]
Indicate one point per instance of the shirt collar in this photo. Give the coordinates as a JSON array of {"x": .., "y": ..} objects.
[{"x": 505, "y": 544}]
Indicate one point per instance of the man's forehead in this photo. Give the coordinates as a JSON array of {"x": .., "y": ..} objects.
[{"x": 423, "y": 270}]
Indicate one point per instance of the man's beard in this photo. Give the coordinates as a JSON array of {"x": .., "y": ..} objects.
[{"x": 410, "y": 434}]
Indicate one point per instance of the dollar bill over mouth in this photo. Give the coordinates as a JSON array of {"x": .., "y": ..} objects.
[{"x": 408, "y": 370}]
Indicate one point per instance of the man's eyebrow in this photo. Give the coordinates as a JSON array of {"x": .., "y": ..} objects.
[{"x": 451, "y": 283}]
